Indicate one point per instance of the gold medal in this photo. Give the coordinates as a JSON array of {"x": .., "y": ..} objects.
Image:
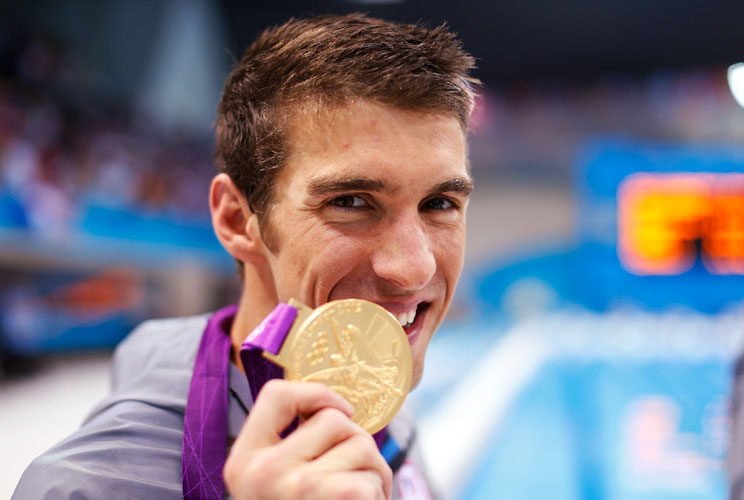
[{"x": 358, "y": 349}]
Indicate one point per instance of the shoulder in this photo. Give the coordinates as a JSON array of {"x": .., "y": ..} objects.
[
  {"x": 130, "y": 444},
  {"x": 154, "y": 364},
  {"x": 156, "y": 344},
  {"x": 131, "y": 450}
]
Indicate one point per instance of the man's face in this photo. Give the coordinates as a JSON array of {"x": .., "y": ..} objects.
[{"x": 371, "y": 205}]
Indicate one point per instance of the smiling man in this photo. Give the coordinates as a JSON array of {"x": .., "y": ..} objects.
[
  {"x": 341, "y": 142},
  {"x": 370, "y": 204}
]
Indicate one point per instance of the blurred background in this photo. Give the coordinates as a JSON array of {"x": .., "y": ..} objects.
[{"x": 590, "y": 349}]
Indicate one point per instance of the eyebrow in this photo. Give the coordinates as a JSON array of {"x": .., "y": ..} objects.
[
  {"x": 323, "y": 186},
  {"x": 455, "y": 185}
]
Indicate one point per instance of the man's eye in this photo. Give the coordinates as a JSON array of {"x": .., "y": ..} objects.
[
  {"x": 438, "y": 204},
  {"x": 349, "y": 201}
]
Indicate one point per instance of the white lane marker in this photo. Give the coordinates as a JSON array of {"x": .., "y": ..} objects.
[{"x": 453, "y": 438}]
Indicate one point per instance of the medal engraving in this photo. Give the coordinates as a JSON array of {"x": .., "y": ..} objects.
[{"x": 359, "y": 350}]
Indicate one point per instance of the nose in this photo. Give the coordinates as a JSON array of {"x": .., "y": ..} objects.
[{"x": 403, "y": 254}]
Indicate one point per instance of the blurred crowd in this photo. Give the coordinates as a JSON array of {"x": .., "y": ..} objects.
[{"x": 65, "y": 145}]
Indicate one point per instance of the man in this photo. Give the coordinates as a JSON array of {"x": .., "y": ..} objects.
[{"x": 342, "y": 148}]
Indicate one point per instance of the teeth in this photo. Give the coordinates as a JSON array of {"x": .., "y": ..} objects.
[{"x": 406, "y": 319}]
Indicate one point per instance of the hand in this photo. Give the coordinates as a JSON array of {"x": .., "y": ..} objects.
[{"x": 327, "y": 456}]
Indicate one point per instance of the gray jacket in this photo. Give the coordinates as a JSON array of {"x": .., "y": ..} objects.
[{"x": 130, "y": 444}]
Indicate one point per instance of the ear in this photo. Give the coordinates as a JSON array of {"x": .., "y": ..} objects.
[{"x": 234, "y": 224}]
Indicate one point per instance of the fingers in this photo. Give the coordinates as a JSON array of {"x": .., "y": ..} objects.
[
  {"x": 336, "y": 444},
  {"x": 280, "y": 401},
  {"x": 322, "y": 431},
  {"x": 360, "y": 484},
  {"x": 308, "y": 483},
  {"x": 358, "y": 453},
  {"x": 327, "y": 456}
]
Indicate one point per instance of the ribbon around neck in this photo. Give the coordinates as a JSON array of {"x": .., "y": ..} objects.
[{"x": 205, "y": 419}]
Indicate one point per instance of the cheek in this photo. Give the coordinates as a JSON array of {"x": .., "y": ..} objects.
[
  {"x": 449, "y": 247},
  {"x": 329, "y": 260},
  {"x": 342, "y": 253}
]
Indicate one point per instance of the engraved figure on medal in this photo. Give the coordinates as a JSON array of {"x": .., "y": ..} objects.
[{"x": 359, "y": 350}]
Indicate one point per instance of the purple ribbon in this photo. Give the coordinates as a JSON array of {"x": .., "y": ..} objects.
[
  {"x": 268, "y": 336},
  {"x": 205, "y": 419}
]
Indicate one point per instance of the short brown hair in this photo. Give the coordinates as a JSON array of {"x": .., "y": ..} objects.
[{"x": 330, "y": 60}]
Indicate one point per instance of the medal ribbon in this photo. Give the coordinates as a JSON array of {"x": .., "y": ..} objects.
[
  {"x": 267, "y": 336},
  {"x": 205, "y": 419}
]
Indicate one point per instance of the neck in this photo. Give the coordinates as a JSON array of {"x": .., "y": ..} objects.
[{"x": 256, "y": 302}]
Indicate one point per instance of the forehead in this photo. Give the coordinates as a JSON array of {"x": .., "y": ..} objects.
[{"x": 374, "y": 141}]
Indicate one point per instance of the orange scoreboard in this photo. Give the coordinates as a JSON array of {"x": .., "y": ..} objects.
[
  {"x": 669, "y": 221},
  {"x": 659, "y": 225}
]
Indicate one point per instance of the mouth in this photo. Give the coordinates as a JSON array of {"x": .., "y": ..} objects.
[{"x": 412, "y": 320}]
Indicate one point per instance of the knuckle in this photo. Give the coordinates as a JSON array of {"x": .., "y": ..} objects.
[
  {"x": 261, "y": 466},
  {"x": 230, "y": 472},
  {"x": 348, "y": 490},
  {"x": 300, "y": 483},
  {"x": 335, "y": 422},
  {"x": 256, "y": 471},
  {"x": 369, "y": 455},
  {"x": 274, "y": 382},
  {"x": 273, "y": 387},
  {"x": 367, "y": 447},
  {"x": 334, "y": 417}
]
